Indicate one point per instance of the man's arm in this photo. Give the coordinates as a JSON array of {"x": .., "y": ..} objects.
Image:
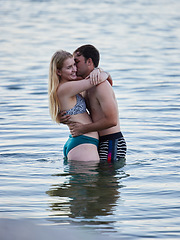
[
  {"x": 63, "y": 118},
  {"x": 109, "y": 116}
]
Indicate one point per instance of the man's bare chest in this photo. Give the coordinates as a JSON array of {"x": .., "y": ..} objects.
[{"x": 93, "y": 104}]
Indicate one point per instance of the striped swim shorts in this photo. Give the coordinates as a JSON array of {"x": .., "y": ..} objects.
[{"x": 112, "y": 147}]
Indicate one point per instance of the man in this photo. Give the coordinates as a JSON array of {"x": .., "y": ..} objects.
[{"x": 103, "y": 108}]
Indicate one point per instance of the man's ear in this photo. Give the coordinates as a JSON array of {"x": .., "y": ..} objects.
[{"x": 89, "y": 61}]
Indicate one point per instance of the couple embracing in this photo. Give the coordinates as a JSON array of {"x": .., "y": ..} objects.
[{"x": 81, "y": 96}]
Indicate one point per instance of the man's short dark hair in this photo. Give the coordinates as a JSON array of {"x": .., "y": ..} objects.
[{"x": 89, "y": 51}]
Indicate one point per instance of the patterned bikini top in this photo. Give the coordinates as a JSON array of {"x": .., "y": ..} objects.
[{"x": 80, "y": 106}]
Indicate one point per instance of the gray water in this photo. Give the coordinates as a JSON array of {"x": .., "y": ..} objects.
[{"x": 139, "y": 42}]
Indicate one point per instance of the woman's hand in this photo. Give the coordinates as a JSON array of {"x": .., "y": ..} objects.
[
  {"x": 98, "y": 76},
  {"x": 95, "y": 76}
]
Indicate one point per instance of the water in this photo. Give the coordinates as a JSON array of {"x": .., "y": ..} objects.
[{"x": 139, "y": 42}]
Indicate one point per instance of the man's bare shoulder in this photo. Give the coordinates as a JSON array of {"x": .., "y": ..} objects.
[{"x": 103, "y": 87}]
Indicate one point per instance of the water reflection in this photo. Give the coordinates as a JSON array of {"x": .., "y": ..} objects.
[{"x": 89, "y": 191}]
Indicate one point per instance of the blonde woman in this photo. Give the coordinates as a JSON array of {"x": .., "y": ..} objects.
[{"x": 64, "y": 95}]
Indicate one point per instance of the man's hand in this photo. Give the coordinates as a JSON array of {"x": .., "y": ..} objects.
[
  {"x": 76, "y": 129},
  {"x": 65, "y": 119}
]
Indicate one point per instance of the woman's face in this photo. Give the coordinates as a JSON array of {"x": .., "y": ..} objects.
[{"x": 68, "y": 71}]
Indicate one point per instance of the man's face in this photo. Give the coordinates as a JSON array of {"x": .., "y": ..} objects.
[{"x": 82, "y": 66}]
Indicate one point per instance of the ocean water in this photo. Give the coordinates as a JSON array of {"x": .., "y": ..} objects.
[{"x": 139, "y": 42}]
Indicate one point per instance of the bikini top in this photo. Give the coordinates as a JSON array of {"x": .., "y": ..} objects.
[{"x": 80, "y": 106}]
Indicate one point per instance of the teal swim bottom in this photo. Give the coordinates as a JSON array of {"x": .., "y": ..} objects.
[{"x": 73, "y": 142}]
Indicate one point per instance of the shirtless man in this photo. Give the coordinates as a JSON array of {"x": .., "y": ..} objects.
[{"x": 103, "y": 109}]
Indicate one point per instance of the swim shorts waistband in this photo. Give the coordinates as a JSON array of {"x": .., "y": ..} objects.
[{"x": 111, "y": 136}]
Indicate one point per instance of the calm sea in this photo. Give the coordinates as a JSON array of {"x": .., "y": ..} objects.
[{"x": 139, "y": 42}]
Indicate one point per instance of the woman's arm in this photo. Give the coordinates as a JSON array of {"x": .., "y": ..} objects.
[{"x": 72, "y": 88}]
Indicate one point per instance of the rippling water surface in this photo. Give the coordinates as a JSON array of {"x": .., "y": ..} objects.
[{"x": 139, "y": 42}]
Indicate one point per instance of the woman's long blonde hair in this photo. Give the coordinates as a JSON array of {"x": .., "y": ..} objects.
[{"x": 56, "y": 64}]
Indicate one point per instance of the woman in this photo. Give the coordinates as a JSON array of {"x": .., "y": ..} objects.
[{"x": 64, "y": 95}]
